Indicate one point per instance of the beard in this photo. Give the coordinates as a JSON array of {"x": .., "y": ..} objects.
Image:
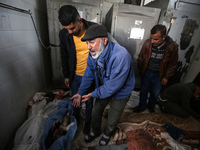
[{"x": 100, "y": 50}]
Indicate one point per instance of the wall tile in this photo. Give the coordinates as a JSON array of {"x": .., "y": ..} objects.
[
  {"x": 4, "y": 21},
  {"x": 10, "y": 55},
  {"x": 1, "y": 44},
  {"x": 21, "y": 66},
  {"x": 19, "y": 37},
  {"x": 2, "y": 59},
  {"x": 14, "y": 22},
  {"x": 7, "y": 39}
]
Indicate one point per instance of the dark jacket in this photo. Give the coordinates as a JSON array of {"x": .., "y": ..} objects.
[
  {"x": 181, "y": 94},
  {"x": 169, "y": 60},
  {"x": 68, "y": 52}
]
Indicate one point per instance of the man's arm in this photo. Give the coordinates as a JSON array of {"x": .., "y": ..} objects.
[
  {"x": 87, "y": 81},
  {"x": 88, "y": 77},
  {"x": 143, "y": 56},
  {"x": 185, "y": 103},
  {"x": 173, "y": 59},
  {"x": 64, "y": 57}
]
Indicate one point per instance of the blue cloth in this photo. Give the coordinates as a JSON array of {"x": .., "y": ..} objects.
[
  {"x": 89, "y": 104},
  {"x": 150, "y": 83},
  {"x": 175, "y": 133},
  {"x": 116, "y": 77},
  {"x": 62, "y": 143}
]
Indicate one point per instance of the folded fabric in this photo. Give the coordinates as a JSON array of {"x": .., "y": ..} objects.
[{"x": 63, "y": 142}]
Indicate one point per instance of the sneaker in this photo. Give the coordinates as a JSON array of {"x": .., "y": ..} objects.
[
  {"x": 137, "y": 110},
  {"x": 104, "y": 140},
  {"x": 86, "y": 128},
  {"x": 91, "y": 136},
  {"x": 151, "y": 110}
]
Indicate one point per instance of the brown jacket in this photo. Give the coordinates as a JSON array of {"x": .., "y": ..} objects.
[{"x": 168, "y": 63}]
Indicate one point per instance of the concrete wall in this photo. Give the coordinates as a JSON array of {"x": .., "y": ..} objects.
[{"x": 25, "y": 66}]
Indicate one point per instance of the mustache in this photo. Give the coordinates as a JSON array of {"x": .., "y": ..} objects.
[{"x": 92, "y": 50}]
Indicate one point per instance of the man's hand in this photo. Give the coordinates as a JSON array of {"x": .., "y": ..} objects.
[
  {"x": 77, "y": 100},
  {"x": 67, "y": 82},
  {"x": 164, "y": 81},
  {"x": 86, "y": 97}
]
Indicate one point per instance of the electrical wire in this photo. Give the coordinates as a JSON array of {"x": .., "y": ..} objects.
[
  {"x": 14, "y": 8},
  {"x": 28, "y": 12},
  {"x": 38, "y": 33}
]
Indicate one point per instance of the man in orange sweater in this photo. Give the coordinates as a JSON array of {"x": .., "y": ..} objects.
[{"x": 74, "y": 54}]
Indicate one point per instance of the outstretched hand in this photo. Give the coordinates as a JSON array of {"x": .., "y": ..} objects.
[
  {"x": 77, "y": 100},
  {"x": 86, "y": 97}
]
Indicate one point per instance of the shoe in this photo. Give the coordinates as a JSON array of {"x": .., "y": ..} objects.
[
  {"x": 137, "y": 110},
  {"x": 104, "y": 140},
  {"x": 91, "y": 136},
  {"x": 86, "y": 128},
  {"x": 151, "y": 110}
]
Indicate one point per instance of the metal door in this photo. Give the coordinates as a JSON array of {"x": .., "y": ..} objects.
[
  {"x": 130, "y": 25},
  {"x": 88, "y": 9}
]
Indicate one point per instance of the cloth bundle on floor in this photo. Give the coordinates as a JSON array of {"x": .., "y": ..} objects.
[
  {"x": 29, "y": 135},
  {"x": 175, "y": 133},
  {"x": 63, "y": 142}
]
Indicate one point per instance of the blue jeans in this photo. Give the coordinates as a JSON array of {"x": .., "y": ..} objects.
[
  {"x": 89, "y": 104},
  {"x": 150, "y": 83}
]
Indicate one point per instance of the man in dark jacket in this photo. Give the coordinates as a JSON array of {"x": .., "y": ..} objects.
[
  {"x": 157, "y": 62},
  {"x": 74, "y": 54},
  {"x": 177, "y": 98}
]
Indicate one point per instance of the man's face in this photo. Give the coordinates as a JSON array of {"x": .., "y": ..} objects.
[
  {"x": 157, "y": 39},
  {"x": 96, "y": 46},
  {"x": 74, "y": 28}
]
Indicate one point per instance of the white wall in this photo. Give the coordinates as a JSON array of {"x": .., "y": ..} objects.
[
  {"x": 193, "y": 69},
  {"x": 22, "y": 61}
]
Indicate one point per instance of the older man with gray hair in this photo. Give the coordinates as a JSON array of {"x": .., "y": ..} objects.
[{"x": 111, "y": 67}]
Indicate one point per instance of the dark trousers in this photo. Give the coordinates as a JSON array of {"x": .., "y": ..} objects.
[
  {"x": 114, "y": 114},
  {"x": 89, "y": 104},
  {"x": 150, "y": 83}
]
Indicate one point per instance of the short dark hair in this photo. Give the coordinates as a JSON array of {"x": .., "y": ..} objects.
[
  {"x": 68, "y": 14},
  {"x": 159, "y": 28}
]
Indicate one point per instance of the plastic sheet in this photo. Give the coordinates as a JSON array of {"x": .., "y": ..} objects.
[
  {"x": 29, "y": 135},
  {"x": 28, "y": 147}
]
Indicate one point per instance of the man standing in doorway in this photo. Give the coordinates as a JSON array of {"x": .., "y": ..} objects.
[
  {"x": 74, "y": 54},
  {"x": 157, "y": 62}
]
